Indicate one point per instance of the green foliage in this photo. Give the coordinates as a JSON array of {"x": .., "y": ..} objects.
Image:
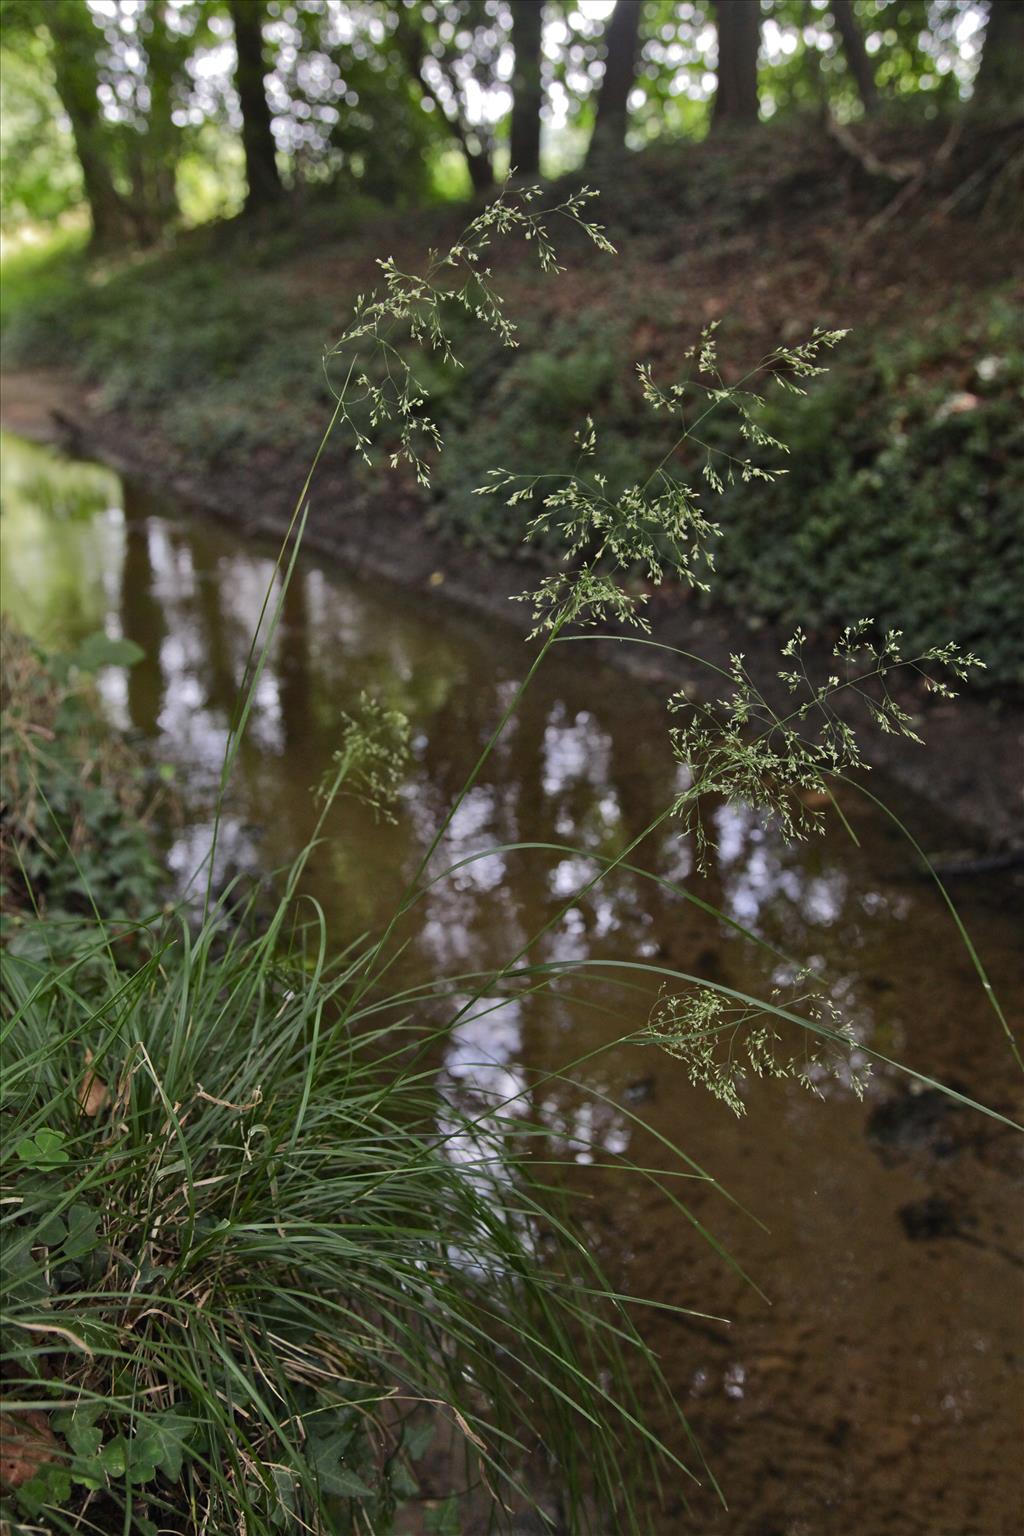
[
  {"x": 38, "y": 277},
  {"x": 199, "y": 374},
  {"x": 276, "y": 1257},
  {"x": 399, "y": 102},
  {"x": 740, "y": 748},
  {"x": 378, "y": 391},
  {"x": 915, "y": 47},
  {"x": 40, "y": 179},
  {"x": 348, "y": 108},
  {"x": 525, "y": 407},
  {"x": 907, "y": 461},
  {"x": 723, "y": 1044},
  {"x": 902, "y": 499},
  {"x": 372, "y": 758},
  {"x": 658, "y": 527},
  {"x": 70, "y": 839}
]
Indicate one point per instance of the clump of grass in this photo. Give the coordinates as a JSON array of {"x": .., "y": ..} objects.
[{"x": 247, "y": 1277}]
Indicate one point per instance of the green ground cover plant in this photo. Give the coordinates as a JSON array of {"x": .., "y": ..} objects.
[
  {"x": 911, "y": 460},
  {"x": 254, "y": 1263},
  {"x": 72, "y": 833}
]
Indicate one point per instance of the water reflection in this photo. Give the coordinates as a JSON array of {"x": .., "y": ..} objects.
[
  {"x": 585, "y": 763},
  {"x": 61, "y": 542}
]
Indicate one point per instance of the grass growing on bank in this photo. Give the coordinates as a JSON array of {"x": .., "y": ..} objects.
[
  {"x": 39, "y": 273},
  {"x": 247, "y": 1278},
  {"x": 72, "y": 838}
]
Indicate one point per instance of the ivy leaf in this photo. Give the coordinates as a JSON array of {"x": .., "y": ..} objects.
[
  {"x": 23, "y": 1280},
  {"x": 283, "y": 1513},
  {"x": 114, "y": 1456},
  {"x": 51, "y": 1232},
  {"x": 50, "y": 1486},
  {"x": 84, "y": 1439},
  {"x": 334, "y": 1477},
  {"x": 82, "y": 1235},
  {"x": 345, "y": 1484},
  {"x": 417, "y": 1438},
  {"x": 160, "y": 1443},
  {"x": 79, "y": 1429},
  {"x": 403, "y": 1484}
]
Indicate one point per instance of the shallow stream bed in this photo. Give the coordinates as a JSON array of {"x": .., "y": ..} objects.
[{"x": 870, "y": 1380}]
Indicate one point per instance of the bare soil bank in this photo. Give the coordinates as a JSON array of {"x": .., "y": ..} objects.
[{"x": 972, "y": 773}]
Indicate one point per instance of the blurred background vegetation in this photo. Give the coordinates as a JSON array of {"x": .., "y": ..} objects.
[{"x": 195, "y": 190}]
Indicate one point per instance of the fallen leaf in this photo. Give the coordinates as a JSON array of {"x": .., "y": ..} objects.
[
  {"x": 93, "y": 1093},
  {"x": 26, "y": 1443}
]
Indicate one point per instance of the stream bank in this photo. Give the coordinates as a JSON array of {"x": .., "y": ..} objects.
[{"x": 972, "y": 772}]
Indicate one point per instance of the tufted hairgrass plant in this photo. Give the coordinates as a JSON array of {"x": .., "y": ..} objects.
[{"x": 247, "y": 1279}]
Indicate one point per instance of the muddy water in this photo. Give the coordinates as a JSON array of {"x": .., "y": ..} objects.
[{"x": 870, "y": 1380}]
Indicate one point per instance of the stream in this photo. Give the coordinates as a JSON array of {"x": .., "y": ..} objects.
[{"x": 870, "y": 1382}]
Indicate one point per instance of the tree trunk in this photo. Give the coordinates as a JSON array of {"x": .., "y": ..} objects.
[
  {"x": 999, "y": 87},
  {"x": 414, "y": 48},
  {"x": 857, "y": 60},
  {"x": 481, "y": 171},
  {"x": 621, "y": 43},
  {"x": 527, "y": 95},
  {"x": 74, "y": 62},
  {"x": 165, "y": 58},
  {"x": 739, "y": 38},
  {"x": 261, "y": 172}
]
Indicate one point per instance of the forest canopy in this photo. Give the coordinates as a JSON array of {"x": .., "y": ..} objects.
[{"x": 147, "y": 115}]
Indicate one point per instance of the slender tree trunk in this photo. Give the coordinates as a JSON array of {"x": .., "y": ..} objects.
[
  {"x": 414, "y": 48},
  {"x": 261, "y": 172},
  {"x": 74, "y": 61},
  {"x": 739, "y": 38},
  {"x": 527, "y": 94},
  {"x": 621, "y": 44},
  {"x": 165, "y": 61},
  {"x": 857, "y": 59},
  {"x": 999, "y": 87},
  {"x": 481, "y": 171}
]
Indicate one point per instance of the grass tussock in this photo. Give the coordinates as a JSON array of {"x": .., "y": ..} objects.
[{"x": 249, "y": 1273}]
